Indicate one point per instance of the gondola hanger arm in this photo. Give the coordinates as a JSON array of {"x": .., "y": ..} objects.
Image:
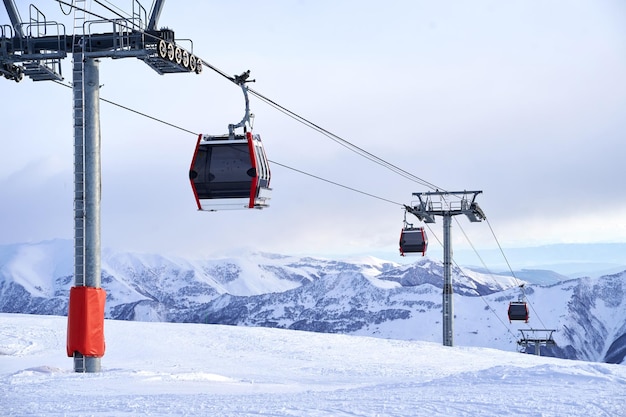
[{"x": 241, "y": 81}]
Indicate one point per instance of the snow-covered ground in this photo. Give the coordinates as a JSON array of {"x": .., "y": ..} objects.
[{"x": 160, "y": 369}]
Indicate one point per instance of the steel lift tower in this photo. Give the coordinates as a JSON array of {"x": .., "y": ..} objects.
[
  {"x": 426, "y": 211},
  {"x": 35, "y": 49}
]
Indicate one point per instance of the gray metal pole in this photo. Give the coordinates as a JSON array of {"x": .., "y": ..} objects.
[
  {"x": 87, "y": 240},
  {"x": 92, "y": 173},
  {"x": 92, "y": 185},
  {"x": 537, "y": 348},
  {"x": 448, "y": 311}
]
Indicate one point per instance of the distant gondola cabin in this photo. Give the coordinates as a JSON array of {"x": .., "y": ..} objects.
[
  {"x": 413, "y": 240},
  {"x": 518, "y": 311}
]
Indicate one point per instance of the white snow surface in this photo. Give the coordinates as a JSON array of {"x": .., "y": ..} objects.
[{"x": 164, "y": 369}]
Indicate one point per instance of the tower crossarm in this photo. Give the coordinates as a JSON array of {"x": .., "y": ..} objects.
[
  {"x": 36, "y": 48},
  {"x": 462, "y": 202},
  {"x": 421, "y": 212},
  {"x": 537, "y": 336}
]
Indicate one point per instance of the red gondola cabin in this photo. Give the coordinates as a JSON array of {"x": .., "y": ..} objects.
[
  {"x": 230, "y": 173},
  {"x": 413, "y": 240}
]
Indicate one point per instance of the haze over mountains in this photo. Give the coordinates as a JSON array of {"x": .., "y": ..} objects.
[{"x": 572, "y": 260}]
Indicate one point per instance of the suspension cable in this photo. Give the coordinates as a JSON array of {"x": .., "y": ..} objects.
[
  {"x": 513, "y": 274},
  {"x": 156, "y": 119},
  {"x": 491, "y": 309},
  {"x": 348, "y": 188},
  {"x": 343, "y": 142},
  {"x": 336, "y": 138},
  {"x": 336, "y": 183}
]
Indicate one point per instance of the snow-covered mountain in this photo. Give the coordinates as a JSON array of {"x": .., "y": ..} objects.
[{"x": 366, "y": 297}]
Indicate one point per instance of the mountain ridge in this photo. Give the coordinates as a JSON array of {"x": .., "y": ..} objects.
[{"x": 373, "y": 297}]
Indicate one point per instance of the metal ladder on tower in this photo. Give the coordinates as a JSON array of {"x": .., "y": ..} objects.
[{"x": 78, "y": 53}]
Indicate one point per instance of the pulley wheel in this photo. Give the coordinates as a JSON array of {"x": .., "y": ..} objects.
[
  {"x": 186, "y": 59},
  {"x": 178, "y": 55},
  {"x": 162, "y": 49},
  {"x": 170, "y": 51}
]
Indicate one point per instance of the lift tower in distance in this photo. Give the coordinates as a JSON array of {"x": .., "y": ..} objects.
[
  {"x": 35, "y": 49},
  {"x": 536, "y": 337},
  {"x": 426, "y": 211}
]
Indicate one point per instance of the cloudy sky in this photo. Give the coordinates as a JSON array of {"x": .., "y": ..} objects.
[{"x": 524, "y": 100}]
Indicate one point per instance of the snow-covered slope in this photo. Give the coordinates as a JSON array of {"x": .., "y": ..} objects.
[
  {"x": 365, "y": 297},
  {"x": 161, "y": 369}
]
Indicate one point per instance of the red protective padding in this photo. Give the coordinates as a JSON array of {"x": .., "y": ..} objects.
[
  {"x": 255, "y": 180},
  {"x": 193, "y": 161},
  {"x": 85, "y": 321}
]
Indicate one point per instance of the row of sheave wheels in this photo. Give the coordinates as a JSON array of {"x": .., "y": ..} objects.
[{"x": 173, "y": 53}]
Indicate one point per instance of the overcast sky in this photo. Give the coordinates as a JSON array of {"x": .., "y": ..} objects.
[{"x": 524, "y": 100}]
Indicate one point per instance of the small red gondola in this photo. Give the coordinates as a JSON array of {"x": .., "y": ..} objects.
[
  {"x": 229, "y": 173},
  {"x": 518, "y": 311},
  {"x": 413, "y": 240}
]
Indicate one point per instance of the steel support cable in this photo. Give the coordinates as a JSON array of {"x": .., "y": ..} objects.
[
  {"x": 513, "y": 274},
  {"x": 148, "y": 116},
  {"x": 156, "y": 119},
  {"x": 111, "y": 9},
  {"x": 73, "y": 6},
  {"x": 347, "y": 144},
  {"x": 339, "y": 140},
  {"x": 117, "y": 21},
  {"x": 273, "y": 162},
  {"x": 488, "y": 271},
  {"x": 502, "y": 252},
  {"x": 304, "y": 173},
  {"x": 508, "y": 329},
  {"x": 336, "y": 138},
  {"x": 367, "y": 155},
  {"x": 343, "y": 142},
  {"x": 336, "y": 183}
]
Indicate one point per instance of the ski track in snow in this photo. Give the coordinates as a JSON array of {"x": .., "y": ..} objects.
[{"x": 160, "y": 369}]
